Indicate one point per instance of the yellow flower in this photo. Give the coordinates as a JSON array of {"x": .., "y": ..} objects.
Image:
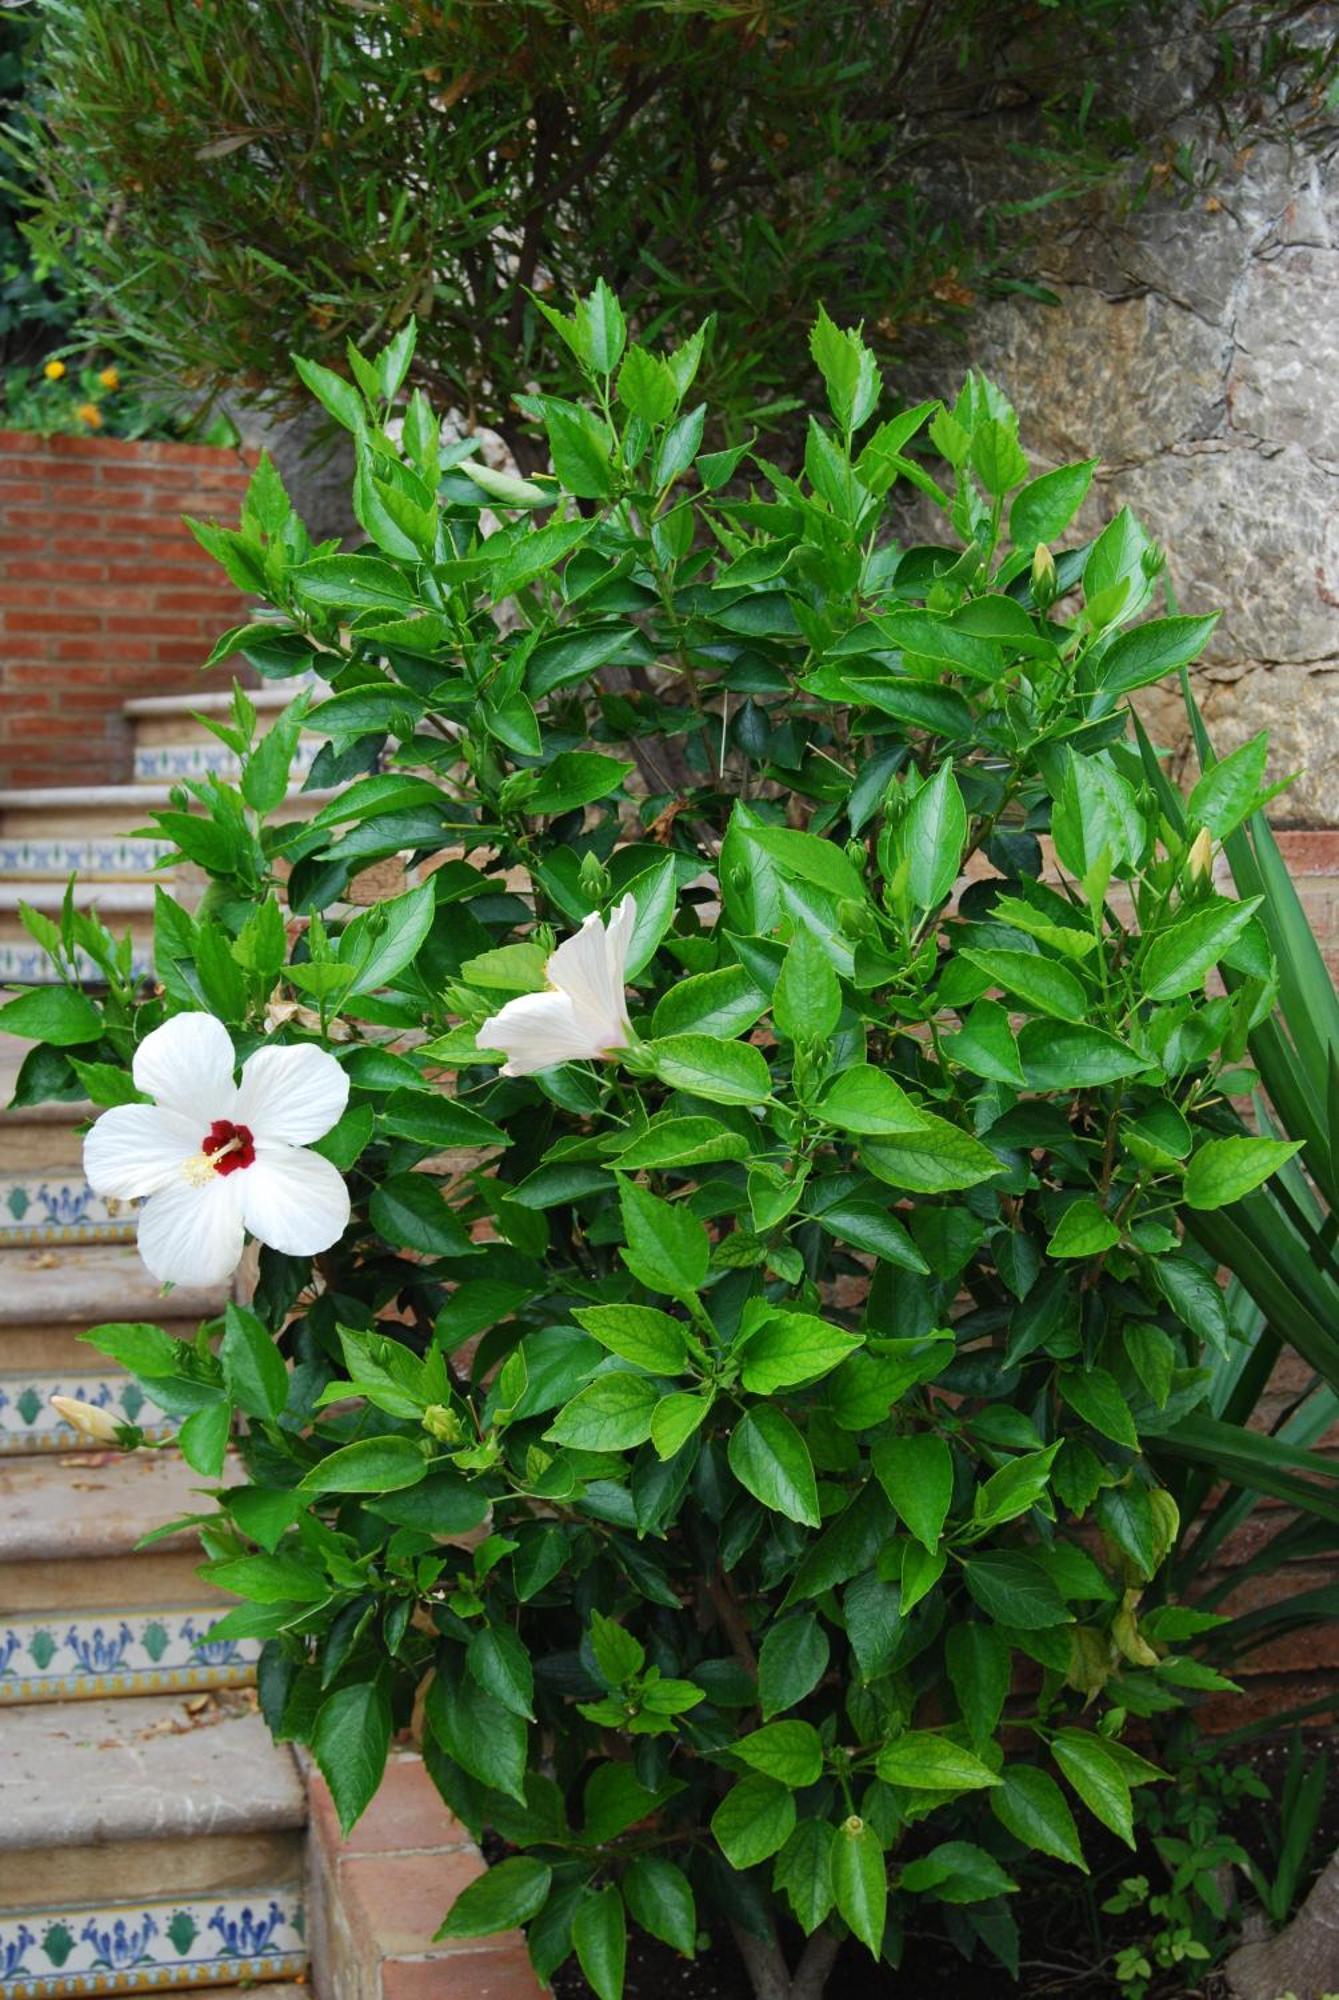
[
  {"x": 109, "y": 378},
  {"x": 54, "y": 370},
  {"x": 90, "y": 414}
]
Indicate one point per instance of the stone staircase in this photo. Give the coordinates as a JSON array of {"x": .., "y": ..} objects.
[{"x": 151, "y": 1833}]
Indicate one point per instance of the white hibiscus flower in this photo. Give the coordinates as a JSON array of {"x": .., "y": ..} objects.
[
  {"x": 582, "y": 1013},
  {"x": 217, "y": 1158}
]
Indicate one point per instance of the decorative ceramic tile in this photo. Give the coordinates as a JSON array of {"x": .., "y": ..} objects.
[
  {"x": 84, "y": 1655},
  {"x": 28, "y": 1422},
  {"x": 160, "y": 763},
  {"x": 98, "y": 854},
  {"x": 24, "y": 964},
  {"x": 60, "y": 1207},
  {"x": 143, "y": 1947}
]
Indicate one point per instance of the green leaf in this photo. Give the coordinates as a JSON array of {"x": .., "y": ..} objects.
[
  {"x": 723, "y": 1003},
  {"x": 639, "y": 1333},
  {"x": 985, "y": 1045},
  {"x": 580, "y": 447},
  {"x": 682, "y": 1142},
  {"x": 54, "y": 1014},
  {"x": 433, "y": 1119},
  {"x": 956, "y": 1871},
  {"x": 372, "y": 1465},
  {"x": 1040, "y": 983},
  {"x": 916, "y": 1472},
  {"x": 860, "y": 1881},
  {"x": 977, "y": 1657},
  {"x": 676, "y": 1418},
  {"x": 353, "y": 583},
  {"x": 1069, "y": 1055},
  {"x": 866, "y": 1100},
  {"x": 350, "y": 1743},
  {"x": 1046, "y": 506},
  {"x": 646, "y": 387},
  {"x": 660, "y": 1898},
  {"x": 754, "y": 1820},
  {"x": 383, "y": 941},
  {"x": 143, "y": 1350},
  {"x": 253, "y": 1368},
  {"x": 850, "y": 372},
  {"x": 1032, "y": 1807},
  {"x": 1230, "y": 789},
  {"x": 803, "y": 1873},
  {"x": 933, "y": 837},
  {"x": 934, "y": 1159},
  {"x": 790, "y": 1752},
  {"x": 1097, "y": 1398},
  {"x": 1223, "y": 1170},
  {"x": 654, "y": 892},
  {"x": 667, "y": 1247},
  {"x": 343, "y": 401},
  {"x": 722, "y": 1072},
  {"x": 923, "y": 1761},
  {"x": 203, "y": 1439},
  {"x": 1098, "y": 1778},
  {"x": 612, "y": 1413},
  {"x": 997, "y": 456},
  {"x": 499, "y": 1662},
  {"x": 409, "y": 1212},
  {"x": 1084, "y": 1230},
  {"x": 792, "y": 1348},
  {"x": 1150, "y": 651},
  {"x": 1178, "y": 959},
  {"x": 807, "y": 1003},
  {"x": 770, "y": 1459},
  {"x": 812, "y": 859},
  {"x": 791, "y": 1661},
  {"x": 507, "y": 1894},
  {"x": 1015, "y": 1590}
]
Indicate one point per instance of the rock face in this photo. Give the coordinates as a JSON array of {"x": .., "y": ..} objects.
[{"x": 1195, "y": 349}]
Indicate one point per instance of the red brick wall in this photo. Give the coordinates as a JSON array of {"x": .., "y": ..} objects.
[{"x": 104, "y": 593}]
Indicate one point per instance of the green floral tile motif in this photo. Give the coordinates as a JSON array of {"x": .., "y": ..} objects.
[
  {"x": 104, "y": 1652},
  {"x": 28, "y": 1422},
  {"x": 127, "y": 1948}
]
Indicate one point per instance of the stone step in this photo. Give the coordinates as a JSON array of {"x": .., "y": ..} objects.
[
  {"x": 168, "y": 761},
  {"x": 86, "y": 1611},
  {"x": 30, "y": 1423},
  {"x": 121, "y": 906},
  {"x": 68, "y": 812},
  {"x": 148, "y": 1842},
  {"x": 86, "y": 1285}
]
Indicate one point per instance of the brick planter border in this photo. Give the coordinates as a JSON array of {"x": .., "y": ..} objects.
[{"x": 375, "y": 1899}]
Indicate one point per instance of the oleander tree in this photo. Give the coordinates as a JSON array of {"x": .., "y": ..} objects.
[
  {"x": 225, "y": 185},
  {"x": 724, "y": 1327}
]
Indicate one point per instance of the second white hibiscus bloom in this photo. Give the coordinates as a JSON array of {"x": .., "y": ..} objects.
[
  {"x": 217, "y": 1158},
  {"x": 582, "y": 1014}
]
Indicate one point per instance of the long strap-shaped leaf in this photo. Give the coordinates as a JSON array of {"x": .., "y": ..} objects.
[{"x": 1265, "y": 1463}]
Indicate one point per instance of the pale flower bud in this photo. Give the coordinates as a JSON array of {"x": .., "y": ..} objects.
[
  {"x": 1044, "y": 581},
  {"x": 1199, "y": 862},
  {"x": 86, "y": 1418}
]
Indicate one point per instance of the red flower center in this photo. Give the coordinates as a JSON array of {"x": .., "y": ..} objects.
[{"x": 234, "y": 1142}]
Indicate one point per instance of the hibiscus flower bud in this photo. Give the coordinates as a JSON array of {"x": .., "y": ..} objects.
[
  {"x": 443, "y": 1424},
  {"x": 1199, "y": 861},
  {"x": 87, "y": 1419},
  {"x": 1044, "y": 580}
]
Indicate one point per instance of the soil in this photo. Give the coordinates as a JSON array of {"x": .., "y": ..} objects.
[{"x": 1068, "y": 1943}]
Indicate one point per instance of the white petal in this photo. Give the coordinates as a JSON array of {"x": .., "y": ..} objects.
[
  {"x": 293, "y": 1200},
  {"x": 288, "y": 1096},
  {"x": 589, "y": 969},
  {"x": 537, "y": 1030},
  {"x": 186, "y": 1065},
  {"x": 135, "y": 1149},
  {"x": 191, "y": 1235}
]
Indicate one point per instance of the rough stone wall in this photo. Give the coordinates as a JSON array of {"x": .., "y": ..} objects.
[{"x": 1195, "y": 351}]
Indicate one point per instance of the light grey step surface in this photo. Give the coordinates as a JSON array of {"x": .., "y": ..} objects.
[
  {"x": 261, "y": 699},
  {"x": 100, "y": 1506},
  {"x": 93, "y": 1283},
  {"x": 143, "y": 1768}
]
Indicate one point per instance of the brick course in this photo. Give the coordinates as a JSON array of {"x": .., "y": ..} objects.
[{"x": 104, "y": 593}]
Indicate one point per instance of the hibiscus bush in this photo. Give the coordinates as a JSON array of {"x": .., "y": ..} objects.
[{"x": 735, "y": 1417}]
